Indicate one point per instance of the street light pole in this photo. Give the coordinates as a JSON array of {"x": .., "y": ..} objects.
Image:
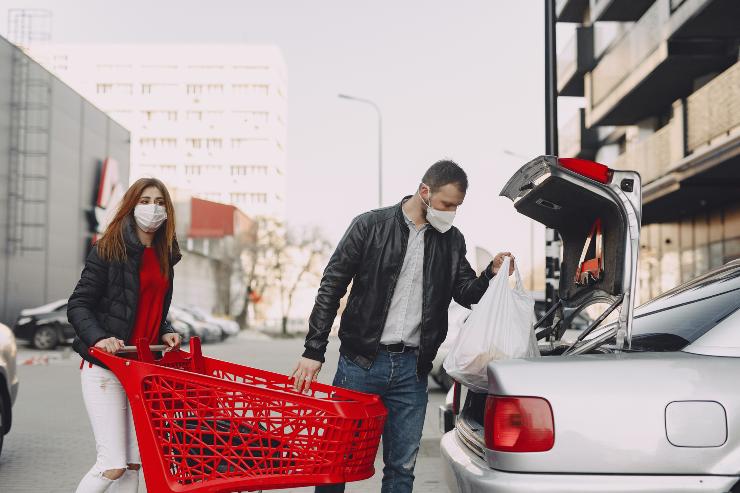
[
  {"x": 552, "y": 238},
  {"x": 380, "y": 142}
]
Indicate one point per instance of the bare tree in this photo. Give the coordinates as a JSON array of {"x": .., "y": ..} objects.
[
  {"x": 257, "y": 261},
  {"x": 299, "y": 264}
]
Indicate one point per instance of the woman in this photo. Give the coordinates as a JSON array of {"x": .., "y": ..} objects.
[{"x": 123, "y": 295}]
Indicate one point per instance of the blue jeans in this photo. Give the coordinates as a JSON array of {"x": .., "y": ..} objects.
[{"x": 393, "y": 378}]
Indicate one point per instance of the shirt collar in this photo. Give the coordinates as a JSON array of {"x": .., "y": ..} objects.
[{"x": 408, "y": 220}]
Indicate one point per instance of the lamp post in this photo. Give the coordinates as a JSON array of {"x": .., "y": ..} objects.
[
  {"x": 380, "y": 142},
  {"x": 552, "y": 238}
]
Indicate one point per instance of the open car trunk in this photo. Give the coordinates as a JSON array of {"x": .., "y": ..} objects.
[{"x": 597, "y": 213}]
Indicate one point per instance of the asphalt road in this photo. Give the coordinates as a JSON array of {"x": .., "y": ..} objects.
[{"x": 51, "y": 445}]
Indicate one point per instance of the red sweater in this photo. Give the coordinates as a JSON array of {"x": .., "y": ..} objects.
[{"x": 152, "y": 290}]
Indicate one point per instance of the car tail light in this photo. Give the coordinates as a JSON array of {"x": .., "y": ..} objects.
[
  {"x": 589, "y": 169},
  {"x": 519, "y": 424}
]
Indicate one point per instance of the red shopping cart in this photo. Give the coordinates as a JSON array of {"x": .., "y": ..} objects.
[{"x": 206, "y": 425}]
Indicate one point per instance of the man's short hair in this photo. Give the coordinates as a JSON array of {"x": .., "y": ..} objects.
[{"x": 443, "y": 173}]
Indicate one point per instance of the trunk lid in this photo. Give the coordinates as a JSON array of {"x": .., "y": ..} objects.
[{"x": 597, "y": 212}]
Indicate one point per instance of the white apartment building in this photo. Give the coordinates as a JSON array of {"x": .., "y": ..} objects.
[{"x": 210, "y": 119}]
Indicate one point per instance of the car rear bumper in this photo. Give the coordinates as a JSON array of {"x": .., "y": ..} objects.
[{"x": 467, "y": 473}]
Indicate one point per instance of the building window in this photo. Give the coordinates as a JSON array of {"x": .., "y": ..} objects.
[
  {"x": 168, "y": 143},
  {"x": 168, "y": 170},
  {"x": 158, "y": 89},
  {"x": 214, "y": 169},
  {"x": 253, "y": 117},
  {"x": 194, "y": 115},
  {"x": 213, "y": 144},
  {"x": 194, "y": 89},
  {"x": 249, "y": 170},
  {"x": 242, "y": 142},
  {"x": 251, "y": 89},
  {"x": 243, "y": 198},
  {"x": 213, "y": 116},
  {"x": 147, "y": 143},
  {"x": 104, "y": 88},
  {"x": 194, "y": 143},
  {"x": 158, "y": 116},
  {"x": 215, "y": 88},
  {"x": 193, "y": 169},
  {"x": 124, "y": 89}
]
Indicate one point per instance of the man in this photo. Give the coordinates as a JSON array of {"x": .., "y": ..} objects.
[{"x": 406, "y": 263}]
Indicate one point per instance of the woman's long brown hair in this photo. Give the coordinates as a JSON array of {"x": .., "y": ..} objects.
[{"x": 111, "y": 246}]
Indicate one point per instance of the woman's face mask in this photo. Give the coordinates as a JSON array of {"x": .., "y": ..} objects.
[
  {"x": 149, "y": 217},
  {"x": 440, "y": 220}
]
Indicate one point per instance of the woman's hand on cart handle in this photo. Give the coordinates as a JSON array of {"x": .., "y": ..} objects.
[
  {"x": 306, "y": 372},
  {"x": 172, "y": 340},
  {"x": 110, "y": 345}
]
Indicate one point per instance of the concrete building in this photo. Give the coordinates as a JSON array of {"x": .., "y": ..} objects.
[
  {"x": 661, "y": 86},
  {"x": 62, "y": 163},
  {"x": 208, "y": 119},
  {"x": 213, "y": 235}
]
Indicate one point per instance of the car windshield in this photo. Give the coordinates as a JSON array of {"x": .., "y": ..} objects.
[{"x": 679, "y": 317}]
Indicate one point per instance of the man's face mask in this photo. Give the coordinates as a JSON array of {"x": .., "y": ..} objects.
[
  {"x": 150, "y": 217},
  {"x": 440, "y": 220}
]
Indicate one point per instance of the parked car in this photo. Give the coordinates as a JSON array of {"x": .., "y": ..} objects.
[
  {"x": 228, "y": 327},
  {"x": 8, "y": 380},
  {"x": 45, "y": 327},
  {"x": 207, "y": 332},
  {"x": 183, "y": 328},
  {"x": 647, "y": 402}
]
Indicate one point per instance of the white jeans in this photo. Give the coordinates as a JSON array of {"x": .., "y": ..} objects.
[{"x": 113, "y": 427}]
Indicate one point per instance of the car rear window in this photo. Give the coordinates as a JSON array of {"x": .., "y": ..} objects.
[
  {"x": 680, "y": 316},
  {"x": 675, "y": 327}
]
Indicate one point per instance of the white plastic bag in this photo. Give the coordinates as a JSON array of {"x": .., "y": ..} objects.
[{"x": 499, "y": 327}]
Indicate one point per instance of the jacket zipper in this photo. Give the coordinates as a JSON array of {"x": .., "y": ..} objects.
[{"x": 423, "y": 305}]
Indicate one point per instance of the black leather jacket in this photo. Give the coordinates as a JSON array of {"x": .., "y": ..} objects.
[
  {"x": 104, "y": 302},
  {"x": 371, "y": 255}
]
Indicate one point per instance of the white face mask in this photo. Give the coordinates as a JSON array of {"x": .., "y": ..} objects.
[
  {"x": 440, "y": 220},
  {"x": 149, "y": 217}
]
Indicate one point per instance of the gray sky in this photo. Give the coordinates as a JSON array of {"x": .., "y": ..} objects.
[{"x": 461, "y": 80}]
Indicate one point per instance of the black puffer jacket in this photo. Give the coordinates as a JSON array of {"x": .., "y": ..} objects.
[
  {"x": 105, "y": 300},
  {"x": 371, "y": 255}
]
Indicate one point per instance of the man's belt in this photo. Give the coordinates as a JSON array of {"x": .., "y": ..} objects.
[{"x": 398, "y": 348}]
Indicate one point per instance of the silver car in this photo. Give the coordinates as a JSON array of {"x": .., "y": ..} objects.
[
  {"x": 646, "y": 402},
  {"x": 8, "y": 380}
]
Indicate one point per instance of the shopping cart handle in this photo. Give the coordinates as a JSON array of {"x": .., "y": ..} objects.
[{"x": 152, "y": 347}]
